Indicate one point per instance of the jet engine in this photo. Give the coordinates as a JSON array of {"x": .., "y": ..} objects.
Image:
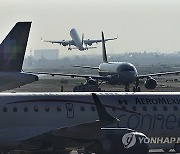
[
  {"x": 150, "y": 83},
  {"x": 132, "y": 143},
  {"x": 89, "y": 44},
  {"x": 64, "y": 43}
]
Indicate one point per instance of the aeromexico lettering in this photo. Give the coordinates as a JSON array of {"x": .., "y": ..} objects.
[
  {"x": 149, "y": 121},
  {"x": 161, "y": 101}
]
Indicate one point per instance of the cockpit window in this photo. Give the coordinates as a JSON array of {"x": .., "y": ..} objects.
[{"x": 125, "y": 68}]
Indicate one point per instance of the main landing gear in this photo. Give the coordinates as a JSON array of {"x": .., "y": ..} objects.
[{"x": 136, "y": 88}]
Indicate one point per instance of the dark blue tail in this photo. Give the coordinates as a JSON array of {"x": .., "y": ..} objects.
[{"x": 13, "y": 47}]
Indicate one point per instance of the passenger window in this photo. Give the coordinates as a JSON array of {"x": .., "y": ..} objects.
[
  {"x": 154, "y": 108},
  {"x": 4, "y": 109},
  {"x": 93, "y": 108},
  {"x": 35, "y": 109},
  {"x": 58, "y": 108},
  {"x": 47, "y": 109},
  {"x": 82, "y": 108},
  {"x": 175, "y": 108},
  {"x": 15, "y": 109},
  {"x": 164, "y": 108},
  {"x": 26, "y": 109},
  {"x": 144, "y": 108},
  {"x": 134, "y": 108}
]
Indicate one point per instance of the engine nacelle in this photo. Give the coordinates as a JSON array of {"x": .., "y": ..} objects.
[
  {"x": 133, "y": 143},
  {"x": 64, "y": 43},
  {"x": 150, "y": 83},
  {"x": 89, "y": 44}
]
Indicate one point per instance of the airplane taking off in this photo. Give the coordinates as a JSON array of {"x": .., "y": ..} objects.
[
  {"x": 12, "y": 51},
  {"x": 62, "y": 122},
  {"x": 116, "y": 73},
  {"x": 77, "y": 42}
]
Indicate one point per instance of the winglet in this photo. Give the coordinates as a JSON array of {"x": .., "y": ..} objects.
[
  {"x": 104, "y": 49},
  {"x": 103, "y": 115}
]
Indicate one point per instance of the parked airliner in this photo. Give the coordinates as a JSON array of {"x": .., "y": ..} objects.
[
  {"x": 12, "y": 51},
  {"x": 77, "y": 42},
  {"x": 123, "y": 73},
  {"x": 65, "y": 121}
]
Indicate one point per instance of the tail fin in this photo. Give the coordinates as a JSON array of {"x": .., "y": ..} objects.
[
  {"x": 82, "y": 41},
  {"x": 104, "y": 49},
  {"x": 13, "y": 47}
]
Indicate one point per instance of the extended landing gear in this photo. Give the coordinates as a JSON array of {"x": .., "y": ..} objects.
[{"x": 136, "y": 88}]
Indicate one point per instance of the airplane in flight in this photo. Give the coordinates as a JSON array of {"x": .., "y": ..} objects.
[
  {"x": 122, "y": 73},
  {"x": 77, "y": 42},
  {"x": 12, "y": 51},
  {"x": 93, "y": 122},
  {"x": 62, "y": 122}
]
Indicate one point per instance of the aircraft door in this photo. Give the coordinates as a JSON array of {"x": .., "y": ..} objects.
[{"x": 70, "y": 110}]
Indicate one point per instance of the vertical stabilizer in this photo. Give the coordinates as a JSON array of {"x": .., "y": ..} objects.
[
  {"x": 82, "y": 41},
  {"x": 13, "y": 47},
  {"x": 104, "y": 49}
]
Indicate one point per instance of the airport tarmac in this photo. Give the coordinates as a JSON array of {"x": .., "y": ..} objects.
[{"x": 54, "y": 84}]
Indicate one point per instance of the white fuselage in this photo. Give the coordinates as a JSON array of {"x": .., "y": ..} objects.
[
  {"x": 27, "y": 115},
  {"x": 125, "y": 72},
  {"x": 75, "y": 37}
]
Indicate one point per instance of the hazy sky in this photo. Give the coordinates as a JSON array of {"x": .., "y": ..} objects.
[{"x": 140, "y": 24}]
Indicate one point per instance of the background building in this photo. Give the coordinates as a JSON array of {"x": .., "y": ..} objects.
[{"x": 49, "y": 54}]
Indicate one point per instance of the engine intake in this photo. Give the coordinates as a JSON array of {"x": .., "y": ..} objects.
[{"x": 150, "y": 83}]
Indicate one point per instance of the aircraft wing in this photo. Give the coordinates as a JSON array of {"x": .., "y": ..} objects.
[
  {"x": 63, "y": 42},
  {"x": 158, "y": 74},
  {"x": 104, "y": 78},
  {"x": 90, "y": 67},
  {"x": 90, "y": 42}
]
